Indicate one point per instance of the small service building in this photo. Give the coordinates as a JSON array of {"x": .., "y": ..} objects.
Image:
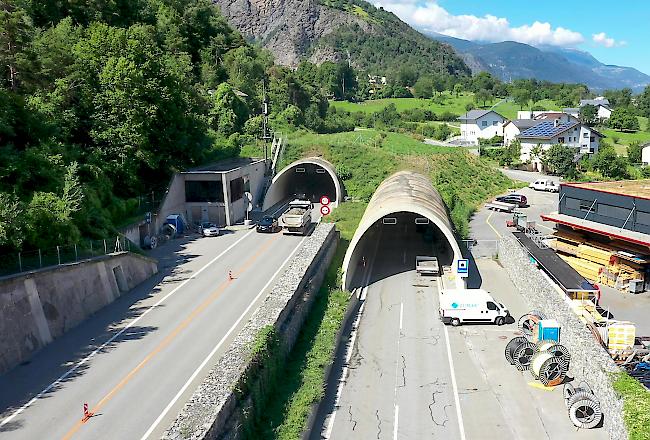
[{"x": 214, "y": 193}]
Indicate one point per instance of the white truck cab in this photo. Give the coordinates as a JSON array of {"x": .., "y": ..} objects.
[{"x": 459, "y": 306}]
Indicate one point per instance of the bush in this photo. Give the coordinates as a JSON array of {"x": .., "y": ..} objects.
[{"x": 636, "y": 406}]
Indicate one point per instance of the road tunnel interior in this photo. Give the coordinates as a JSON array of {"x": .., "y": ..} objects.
[
  {"x": 310, "y": 179},
  {"x": 391, "y": 244}
]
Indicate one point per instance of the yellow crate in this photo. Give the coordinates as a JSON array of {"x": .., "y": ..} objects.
[{"x": 621, "y": 336}]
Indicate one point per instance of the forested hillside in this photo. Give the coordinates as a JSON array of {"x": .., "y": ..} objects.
[{"x": 102, "y": 101}]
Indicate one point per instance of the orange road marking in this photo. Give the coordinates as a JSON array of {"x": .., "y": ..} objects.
[{"x": 170, "y": 337}]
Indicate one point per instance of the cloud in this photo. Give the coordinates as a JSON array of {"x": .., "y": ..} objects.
[
  {"x": 603, "y": 40},
  {"x": 431, "y": 17}
]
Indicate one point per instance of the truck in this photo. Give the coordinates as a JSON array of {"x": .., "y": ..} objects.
[
  {"x": 545, "y": 185},
  {"x": 460, "y": 306},
  {"x": 426, "y": 265},
  {"x": 297, "y": 219}
]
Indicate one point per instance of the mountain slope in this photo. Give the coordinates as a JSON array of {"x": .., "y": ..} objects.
[
  {"x": 336, "y": 30},
  {"x": 509, "y": 60}
]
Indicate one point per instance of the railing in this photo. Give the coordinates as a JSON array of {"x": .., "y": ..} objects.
[
  {"x": 482, "y": 248},
  {"x": 60, "y": 255}
]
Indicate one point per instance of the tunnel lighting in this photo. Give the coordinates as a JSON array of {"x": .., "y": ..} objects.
[
  {"x": 320, "y": 171},
  {"x": 389, "y": 221},
  {"x": 300, "y": 170},
  {"x": 422, "y": 221}
]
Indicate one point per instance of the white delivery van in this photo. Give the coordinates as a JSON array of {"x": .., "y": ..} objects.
[{"x": 458, "y": 306}]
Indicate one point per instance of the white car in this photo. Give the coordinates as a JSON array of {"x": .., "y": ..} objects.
[
  {"x": 545, "y": 185},
  {"x": 208, "y": 229}
]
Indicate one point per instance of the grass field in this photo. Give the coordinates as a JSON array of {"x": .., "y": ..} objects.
[
  {"x": 624, "y": 139},
  {"x": 451, "y": 103}
]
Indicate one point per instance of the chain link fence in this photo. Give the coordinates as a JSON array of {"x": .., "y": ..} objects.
[
  {"x": 32, "y": 260},
  {"x": 482, "y": 248}
]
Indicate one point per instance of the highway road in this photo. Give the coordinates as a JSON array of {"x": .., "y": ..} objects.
[
  {"x": 400, "y": 382},
  {"x": 138, "y": 360}
]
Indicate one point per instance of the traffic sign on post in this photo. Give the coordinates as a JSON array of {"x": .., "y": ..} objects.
[
  {"x": 325, "y": 200},
  {"x": 463, "y": 268},
  {"x": 325, "y": 210}
]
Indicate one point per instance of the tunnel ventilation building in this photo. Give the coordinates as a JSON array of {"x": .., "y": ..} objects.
[
  {"x": 312, "y": 176},
  {"x": 405, "y": 199}
]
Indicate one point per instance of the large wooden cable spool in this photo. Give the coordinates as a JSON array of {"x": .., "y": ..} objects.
[{"x": 537, "y": 361}]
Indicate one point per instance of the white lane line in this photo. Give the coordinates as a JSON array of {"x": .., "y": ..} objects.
[
  {"x": 129, "y": 325},
  {"x": 218, "y": 346},
  {"x": 454, "y": 384},
  {"x": 401, "y": 314},
  {"x": 396, "y": 422}
]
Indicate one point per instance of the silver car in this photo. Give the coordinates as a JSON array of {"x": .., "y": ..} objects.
[{"x": 208, "y": 229}]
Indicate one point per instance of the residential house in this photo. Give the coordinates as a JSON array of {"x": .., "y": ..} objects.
[
  {"x": 480, "y": 124},
  {"x": 602, "y": 105},
  {"x": 547, "y": 133},
  {"x": 512, "y": 129}
]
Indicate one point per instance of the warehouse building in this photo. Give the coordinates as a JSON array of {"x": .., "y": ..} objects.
[{"x": 603, "y": 231}]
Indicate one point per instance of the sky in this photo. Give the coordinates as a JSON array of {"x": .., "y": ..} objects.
[{"x": 611, "y": 32}]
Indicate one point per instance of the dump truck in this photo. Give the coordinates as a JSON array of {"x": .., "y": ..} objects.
[
  {"x": 427, "y": 265},
  {"x": 297, "y": 219}
]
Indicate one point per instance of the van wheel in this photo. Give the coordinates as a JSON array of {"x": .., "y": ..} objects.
[
  {"x": 455, "y": 322},
  {"x": 500, "y": 320}
]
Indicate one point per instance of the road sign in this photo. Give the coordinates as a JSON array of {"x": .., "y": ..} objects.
[
  {"x": 248, "y": 196},
  {"x": 463, "y": 268},
  {"x": 147, "y": 218},
  {"x": 325, "y": 210},
  {"x": 325, "y": 200}
]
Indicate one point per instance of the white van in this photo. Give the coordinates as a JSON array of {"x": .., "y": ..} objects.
[
  {"x": 458, "y": 306},
  {"x": 545, "y": 185}
]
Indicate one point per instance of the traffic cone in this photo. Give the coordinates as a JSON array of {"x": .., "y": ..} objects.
[{"x": 230, "y": 277}]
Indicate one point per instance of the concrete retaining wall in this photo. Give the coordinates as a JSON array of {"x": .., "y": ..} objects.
[
  {"x": 214, "y": 410},
  {"x": 40, "y": 306},
  {"x": 589, "y": 362}
]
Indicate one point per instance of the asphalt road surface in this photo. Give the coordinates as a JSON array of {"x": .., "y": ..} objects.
[
  {"x": 138, "y": 360},
  {"x": 400, "y": 382}
]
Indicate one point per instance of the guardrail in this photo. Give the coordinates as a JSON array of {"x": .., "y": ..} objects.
[{"x": 60, "y": 255}]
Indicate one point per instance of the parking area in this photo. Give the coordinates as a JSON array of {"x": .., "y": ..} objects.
[{"x": 520, "y": 407}]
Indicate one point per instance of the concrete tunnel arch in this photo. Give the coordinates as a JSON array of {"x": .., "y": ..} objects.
[
  {"x": 404, "y": 193},
  {"x": 313, "y": 176}
]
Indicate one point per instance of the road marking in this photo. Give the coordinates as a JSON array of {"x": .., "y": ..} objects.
[
  {"x": 487, "y": 220},
  {"x": 353, "y": 337},
  {"x": 454, "y": 384},
  {"x": 401, "y": 314},
  {"x": 170, "y": 337},
  {"x": 117, "y": 335},
  {"x": 216, "y": 347},
  {"x": 396, "y": 422}
]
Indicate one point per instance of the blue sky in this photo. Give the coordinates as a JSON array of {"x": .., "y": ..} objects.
[{"x": 613, "y": 34}]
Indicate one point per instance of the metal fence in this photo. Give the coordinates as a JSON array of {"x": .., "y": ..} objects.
[
  {"x": 60, "y": 255},
  {"x": 482, "y": 248}
]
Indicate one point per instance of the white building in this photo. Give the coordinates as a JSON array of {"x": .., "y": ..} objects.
[
  {"x": 512, "y": 129},
  {"x": 544, "y": 135},
  {"x": 645, "y": 155},
  {"x": 480, "y": 124},
  {"x": 603, "y": 107}
]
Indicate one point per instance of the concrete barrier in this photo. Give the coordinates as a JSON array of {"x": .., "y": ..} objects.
[
  {"x": 589, "y": 361},
  {"x": 40, "y": 306},
  {"x": 216, "y": 410}
]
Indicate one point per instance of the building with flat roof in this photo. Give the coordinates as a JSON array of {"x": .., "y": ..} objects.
[
  {"x": 215, "y": 192},
  {"x": 606, "y": 225}
]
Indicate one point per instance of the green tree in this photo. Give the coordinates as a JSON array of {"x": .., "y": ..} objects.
[
  {"x": 560, "y": 159},
  {"x": 610, "y": 164},
  {"x": 634, "y": 152},
  {"x": 228, "y": 113},
  {"x": 406, "y": 76},
  {"x": 16, "y": 30},
  {"x": 521, "y": 97},
  {"x": 458, "y": 89},
  {"x": 588, "y": 114},
  {"x": 482, "y": 96},
  {"x": 424, "y": 87},
  {"x": 624, "y": 119}
]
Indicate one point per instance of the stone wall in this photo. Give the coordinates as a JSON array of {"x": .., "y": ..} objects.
[
  {"x": 214, "y": 410},
  {"x": 40, "y": 306},
  {"x": 589, "y": 361}
]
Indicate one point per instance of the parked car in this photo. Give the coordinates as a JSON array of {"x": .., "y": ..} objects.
[
  {"x": 208, "y": 229},
  {"x": 545, "y": 185},
  {"x": 268, "y": 224},
  {"x": 516, "y": 199}
]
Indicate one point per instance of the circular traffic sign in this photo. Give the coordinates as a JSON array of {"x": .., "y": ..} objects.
[
  {"x": 325, "y": 210},
  {"x": 325, "y": 200}
]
